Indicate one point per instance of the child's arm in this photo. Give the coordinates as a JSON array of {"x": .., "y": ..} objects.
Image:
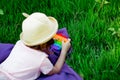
[{"x": 61, "y": 59}]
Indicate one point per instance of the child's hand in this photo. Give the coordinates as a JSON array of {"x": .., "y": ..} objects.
[{"x": 66, "y": 45}]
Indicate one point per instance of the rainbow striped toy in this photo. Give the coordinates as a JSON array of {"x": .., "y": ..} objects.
[{"x": 58, "y": 38}]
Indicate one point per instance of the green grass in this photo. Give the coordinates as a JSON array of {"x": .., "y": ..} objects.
[{"x": 96, "y": 53}]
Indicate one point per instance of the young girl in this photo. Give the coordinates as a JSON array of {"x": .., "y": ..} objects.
[{"x": 29, "y": 57}]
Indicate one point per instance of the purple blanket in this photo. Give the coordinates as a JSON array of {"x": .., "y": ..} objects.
[{"x": 66, "y": 73}]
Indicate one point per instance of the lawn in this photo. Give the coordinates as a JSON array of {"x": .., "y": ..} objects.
[{"x": 96, "y": 49}]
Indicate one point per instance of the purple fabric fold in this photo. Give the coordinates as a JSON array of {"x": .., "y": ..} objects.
[
  {"x": 5, "y": 49},
  {"x": 66, "y": 73}
]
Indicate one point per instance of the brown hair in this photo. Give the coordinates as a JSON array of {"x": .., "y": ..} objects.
[{"x": 44, "y": 47}]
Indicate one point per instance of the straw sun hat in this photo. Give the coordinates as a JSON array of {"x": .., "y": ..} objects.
[{"x": 37, "y": 29}]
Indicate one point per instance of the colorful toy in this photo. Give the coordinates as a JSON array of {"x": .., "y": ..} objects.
[{"x": 58, "y": 38}]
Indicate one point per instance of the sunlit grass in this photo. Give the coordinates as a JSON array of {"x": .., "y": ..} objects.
[{"x": 96, "y": 52}]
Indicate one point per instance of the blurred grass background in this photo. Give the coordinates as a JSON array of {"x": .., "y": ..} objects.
[{"x": 96, "y": 52}]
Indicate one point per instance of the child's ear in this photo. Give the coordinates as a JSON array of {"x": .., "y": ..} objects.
[{"x": 25, "y": 14}]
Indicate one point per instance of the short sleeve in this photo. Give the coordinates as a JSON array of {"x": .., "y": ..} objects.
[{"x": 46, "y": 66}]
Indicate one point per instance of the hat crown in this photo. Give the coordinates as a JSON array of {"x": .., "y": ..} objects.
[
  {"x": 40, "y": 17},
  {"x": 35, "y": 24}
]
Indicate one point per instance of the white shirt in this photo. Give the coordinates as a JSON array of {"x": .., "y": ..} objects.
[{"x": 25, "y": 63}]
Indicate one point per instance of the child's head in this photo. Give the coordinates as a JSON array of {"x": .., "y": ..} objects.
[{"x": 38, "y": 29}]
